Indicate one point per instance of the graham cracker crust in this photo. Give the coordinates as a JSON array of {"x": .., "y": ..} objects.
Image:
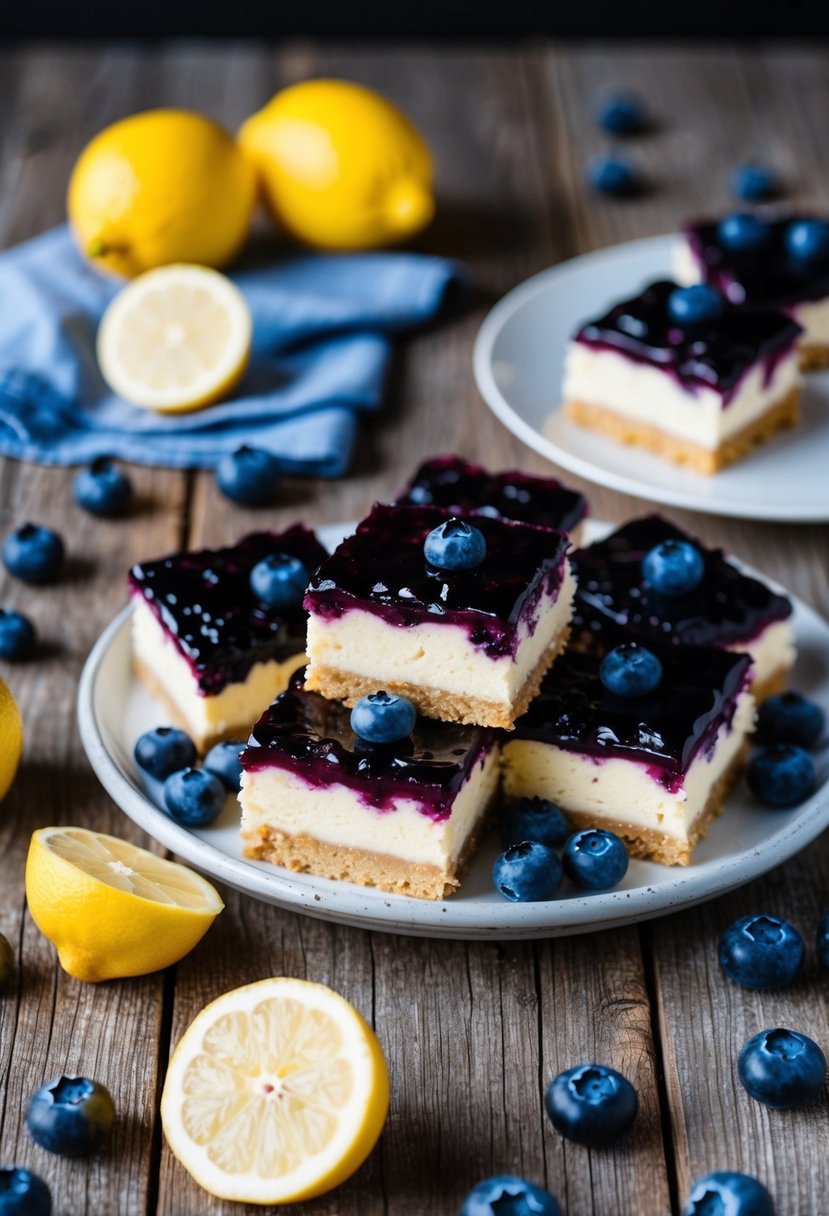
[
  {"x": 813, "y": 356},
  {"x": 339, "y": 685},
  {"x": 784, "y": 413},
  {"x": 306, "y": 855},
  {"x": 777, "y": 682}
]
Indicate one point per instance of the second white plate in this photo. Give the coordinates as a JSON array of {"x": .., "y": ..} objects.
[{"x": 519, "y": 360}]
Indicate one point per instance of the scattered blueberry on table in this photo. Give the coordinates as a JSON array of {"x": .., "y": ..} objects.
[
  {"x": 23, "y": 1193},
  {"x": 528, "y": 872},
  {"x": 535, "y": 819},
  {"x": 279, "y": 580},
  {"x": 194, "y": 797},
  {"x": 630, "y": 670},
  {"x": 383, "y": 717},
  {"x": 507, "y": 1195},
  {"x": 761, "y": 952},
  {"x": 789, "y": 717},
  {"x": 249, "y": 476},
  {"x": 164, "y": 750},
  {"x": 17, "y": 636},
  {"x": 782, "y": 775},
  {"x": 673, "y": 567},
  {"x": 595, "y": 859},
  {"x": 623, "y": 113},
  {"x": 755, "y": 183},
  {"x": 699, "y": 304},
  {"x": 223, "y": 762},
  {"x": 782, "y": 1068},
  {"x": 6, "y": 961},
  {"x": 728, "y": 1193},
  {"x": 615, "y": 176},
  {"x": 807, "y": 240},
  {"x": 822, "y": 940},
  {"x": 103, "y": 489},
  {"x": 591, "y": 1104},
  {"x": 455, "y": 545},
  {"x": 71, "y": 1116},
  {"x": 33, "y": 553}
]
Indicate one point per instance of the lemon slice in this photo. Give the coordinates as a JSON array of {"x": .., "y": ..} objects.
[
  {"x": 277, "y": 1092},
  {"x": 112, "y": 909},
  {"x": 176, "y": 339}
]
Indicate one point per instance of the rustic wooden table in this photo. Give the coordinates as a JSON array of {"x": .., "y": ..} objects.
[{"x": 473, "y": 1032}]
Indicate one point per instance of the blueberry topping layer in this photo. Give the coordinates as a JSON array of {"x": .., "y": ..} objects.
[
  {"x": 382, "y": 569},
  {"x": 204, "y": 601},
  {"x": 776, "y": 280}
]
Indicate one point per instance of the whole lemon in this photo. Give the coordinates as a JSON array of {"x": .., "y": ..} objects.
[
  {"x": 341, "y": 167},
  {"x": 159, "y": 187},
  {"x": 11, "y": 738}
]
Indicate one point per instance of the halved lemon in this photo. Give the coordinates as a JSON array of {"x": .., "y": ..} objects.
[
  {"x": 277, "y": 1092},
  {"x": 175, "y": 339},
  {"x": 112, "y": 909}
]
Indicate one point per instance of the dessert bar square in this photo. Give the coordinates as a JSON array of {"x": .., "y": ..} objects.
[
  {"x": 402, "y": 816},
  {"x": 205, "y": 645},
  {"x": 463, "y": 645}
]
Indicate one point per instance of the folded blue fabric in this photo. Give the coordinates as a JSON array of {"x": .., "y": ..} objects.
[{"x": 322, "y": 333}]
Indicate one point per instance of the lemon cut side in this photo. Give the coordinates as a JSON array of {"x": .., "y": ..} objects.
[
  {"x": 111, "y": 908},
  {"x": 277, "y": 1092},
  {"x": 175, "y": 339}
]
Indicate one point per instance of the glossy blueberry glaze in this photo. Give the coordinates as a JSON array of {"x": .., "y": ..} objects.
[
  {"x": 663, "y": 731},
  {"x": 713, "y": 355},
  {"x": 773, "y": 278},
  {"x": 204, "y": 601},
  {"x": 613, "y": 602},
  {"x": 468, "y": 489},
  {"x": 381, "y": 569},
  {"x": 311, "y": 738}
]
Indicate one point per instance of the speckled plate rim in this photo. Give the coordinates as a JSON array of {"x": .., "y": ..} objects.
[{"x": 456, "y": 919}]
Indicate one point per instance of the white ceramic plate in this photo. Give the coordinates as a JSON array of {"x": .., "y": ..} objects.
[
  {"x": 114, "y": 709},
  {"x": 519, "y": 359}
]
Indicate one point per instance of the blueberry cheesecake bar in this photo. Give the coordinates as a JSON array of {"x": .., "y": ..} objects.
[
  {"x": 462, "y": 616},
  {"x": 216, "y": 633},
  {"x": 686, "y": 374}
]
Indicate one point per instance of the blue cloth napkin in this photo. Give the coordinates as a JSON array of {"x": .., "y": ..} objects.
[{"x": 322, "y": 334}]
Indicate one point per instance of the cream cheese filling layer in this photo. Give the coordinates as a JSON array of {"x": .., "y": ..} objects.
[
  {"x": 438, "y": 656},
  {"x": 623, "y": 790},
  {"x": 652, "y": 397},
  {"x": 772, "y": 651},
  {"x": 235, "y": 708},
  {"x": 336, "y": 815}
]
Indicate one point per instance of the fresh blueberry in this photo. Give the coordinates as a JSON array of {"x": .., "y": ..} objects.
[
  {"x": 279, "y": 580},
  {"x": 164, "y": 750},
  {"x": 782, "y": 775},
  {"x": 808, "y": 240},
  {"x": 630, "y": 670},
  {"x": 761, "y": 952},
  {"x": 23, "y": 1193},
  {"x": 223, "y": 762},
  {"x": 755, "y": 183},
  {"x": 383, "y": 717},
  {"x": 727, "y": 1193},
  {"x": 455, "y": 545},
  {"x": 6, "y": 961},
  {"x": 249, "y": 476},
  {"x": 742, "y": 231},
  {"x": 595, "y": 859},
  {"x": 194, "y": 797},
  {"x": 789, "y": 717},
  {"x": 103, "y": 489},
  {"x": 33, "y": 553},
  {"x": 534, "y": 819},
  {"x": 507, "y": 1195},
  {"x": 623, "y": 114},
  {"x": 673, "y": 567},
  {"x": 781, "y": 1068},
  {"x": 71, "y": 1116},
  {"x": 822, "y": 941},
  {"x": 527, "y": 872},
  {"x": 17, "y": 636},
  {"x": 591, "y": 1104},
  {"x": 699, "y": 304},
  {"x": 615, "y": 176}
]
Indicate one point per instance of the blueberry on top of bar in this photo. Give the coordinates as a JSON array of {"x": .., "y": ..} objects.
[
  {"x": 613, "y": 601},
  {"x": 469, "y": 489},
  {"x": 204, "y": 601}
]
